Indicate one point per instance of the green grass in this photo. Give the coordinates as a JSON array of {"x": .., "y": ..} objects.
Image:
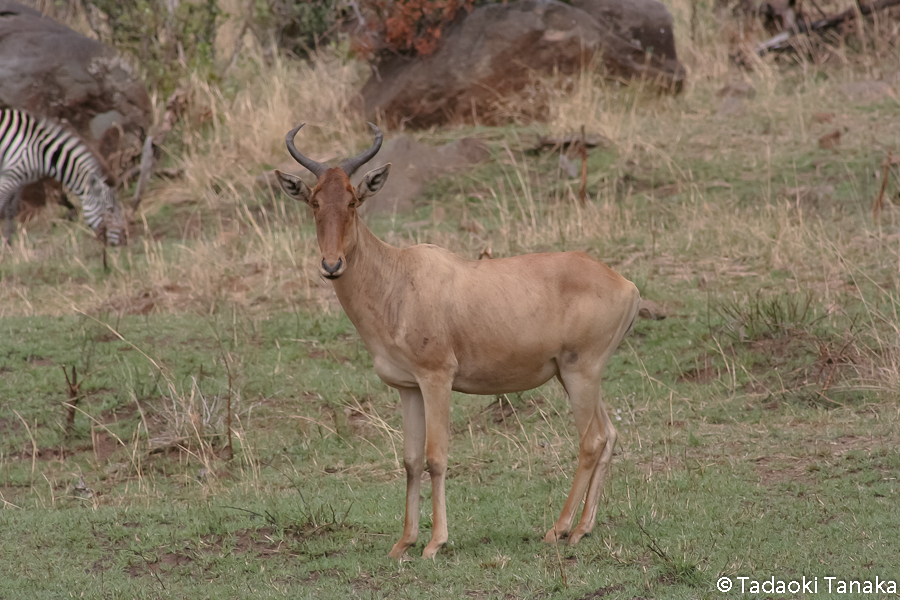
[{"x": 708, "y": 479}]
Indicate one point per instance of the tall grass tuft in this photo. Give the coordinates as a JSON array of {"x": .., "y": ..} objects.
[{"x": 230, "y": 139}]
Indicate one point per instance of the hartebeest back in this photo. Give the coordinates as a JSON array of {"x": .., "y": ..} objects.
[{"x": 436, "y": 322}]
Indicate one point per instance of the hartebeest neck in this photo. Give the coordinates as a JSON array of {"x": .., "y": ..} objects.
[{"x": 373, "y": 269}]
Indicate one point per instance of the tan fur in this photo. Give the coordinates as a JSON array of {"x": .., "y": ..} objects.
[{"x": 435, "y": 322}]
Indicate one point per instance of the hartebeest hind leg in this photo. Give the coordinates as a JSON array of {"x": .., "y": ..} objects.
[
  {"x": 598, "y": 478},
  {"x": 597, "y": 437}
]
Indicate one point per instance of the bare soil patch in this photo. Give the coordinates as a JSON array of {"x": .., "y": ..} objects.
[
  {"x": 704, "y": 372},
  {"x": 778, "y": 468}
]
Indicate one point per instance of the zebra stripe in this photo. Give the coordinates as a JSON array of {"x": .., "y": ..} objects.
[{"x": 31, "y": 149}]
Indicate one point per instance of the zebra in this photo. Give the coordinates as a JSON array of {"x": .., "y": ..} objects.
[{"x": 32, "y": 148}]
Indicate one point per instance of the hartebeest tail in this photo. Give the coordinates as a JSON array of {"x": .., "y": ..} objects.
[{"x": 436, "y": 322}]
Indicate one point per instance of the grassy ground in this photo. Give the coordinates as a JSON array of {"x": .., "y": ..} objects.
[{"x": 758, "y": 422}]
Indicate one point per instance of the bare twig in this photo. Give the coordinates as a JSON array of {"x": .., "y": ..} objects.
[
  {"x": 567, "y": 141},
  {"x": 72, "y": 385},
  {"x": 227, "y": 361},
  {"x": 174, "y": 108},
  {"x": 360, "y": 19},
  {"x": 167, "y": 172},
  {"x": 582, "y": 191},
  {"x": 653, "y": 545},
  {"x": 879, "y": 201},
  {"x": 239, "y": 40},
  {"x": 818, "y": 8},
  {"x": 780, "y": 41},
  {"x": 878, "y": 204},
  {"x": 146, "y": 172}
]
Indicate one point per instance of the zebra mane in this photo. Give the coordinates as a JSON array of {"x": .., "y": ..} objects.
[{"x": 64, "y": 130}]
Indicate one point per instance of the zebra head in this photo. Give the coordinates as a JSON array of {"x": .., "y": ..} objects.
[{"x": 103, "y": 212}]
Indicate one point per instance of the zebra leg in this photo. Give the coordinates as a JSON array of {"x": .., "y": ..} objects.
[
  {"x": 10, "y": 209},
  {"x": 9, "y": 228},
  {"x": 72, "y": 213}
]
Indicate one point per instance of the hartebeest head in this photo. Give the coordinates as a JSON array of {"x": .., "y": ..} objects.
[{"x": 334, "y": 200}]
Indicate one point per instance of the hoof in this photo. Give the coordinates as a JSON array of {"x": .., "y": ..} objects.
[
  {"x": 552, "y": 537},
  {"x": 575, "y": 537},
  {"x": 432, "y": 549},
  {"x": 399, "y": 550}
]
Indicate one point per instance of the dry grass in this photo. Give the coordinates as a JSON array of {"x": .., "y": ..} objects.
[{"x": 228, "y": 140}]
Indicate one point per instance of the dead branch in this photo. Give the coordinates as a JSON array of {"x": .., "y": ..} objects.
[
  {"x": 781, "y": 41},
  {"x": 174, "y": 108},
  {"x": 878, "y": 205},
  {"x": 167, "y": 172},
  {"x": 239, "y": 40},
  {"x": 582, "y": 150},
  {"x": 545, "y": 143},
  {"x": 146, "y": 172},
  {"x": 72, "y": 385}
]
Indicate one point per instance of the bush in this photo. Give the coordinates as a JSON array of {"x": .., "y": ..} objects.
[
  {"x": 295, "y": 26},
  {"x": 408, "y": 26},
  {"x": 169, "y": 40}
]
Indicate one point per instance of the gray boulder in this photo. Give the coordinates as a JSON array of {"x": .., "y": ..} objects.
[
  {"x": 492, "y": 52},
  {"x": 413, "y": 165},
  {"x": 645, "y": 24},
  {"x": 50, "y": 70}
]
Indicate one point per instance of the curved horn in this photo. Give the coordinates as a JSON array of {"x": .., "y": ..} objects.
[
  {"x": 315, "y": 167},
  {"x": 350, "y": 165}
]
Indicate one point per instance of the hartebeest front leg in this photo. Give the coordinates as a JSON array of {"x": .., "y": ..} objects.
[
  {"x": 436, "y": 394},
  {"x": 413, "y": 410}
]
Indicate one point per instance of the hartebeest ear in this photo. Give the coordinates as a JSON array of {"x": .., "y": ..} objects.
[
  {"x": 293, "y": 186},
  {"x": 372, "y": 182}
]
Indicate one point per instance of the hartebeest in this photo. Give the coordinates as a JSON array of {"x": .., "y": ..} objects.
[{"x": 436, "y": 322}]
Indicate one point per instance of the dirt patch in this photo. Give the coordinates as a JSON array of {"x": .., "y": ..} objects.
[
  {"x": 48, "y": 454},
  {"x": 365, "y": 581},
  {"x": 258, "y": 541},
  {"x": 503, "y": 410},
  {"x": 316, "y": 574},
  {"x": 660, "y": 464},
  {"x": 703, "y": 373},
  {"x": 319, "y": 353},
  {"x": 103, "y": 445},
  {"x": 120, "y": 413},
  {"x": 781, "y": 468},
  {"x": 361, "y": 419},
  {"x": 774, "y": 470},
  {"x": 146, "y": 564},
  {"x": 604, "y": 591},
  {"x": 261, "y": 542}
]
